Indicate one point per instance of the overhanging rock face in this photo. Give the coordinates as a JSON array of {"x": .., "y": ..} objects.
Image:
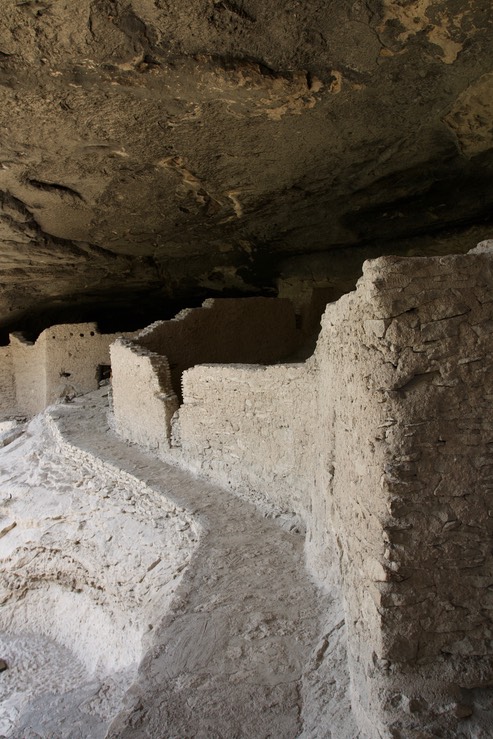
[
  {"x": 380, "y": 445},
  {"x": 155, "y": 149}
]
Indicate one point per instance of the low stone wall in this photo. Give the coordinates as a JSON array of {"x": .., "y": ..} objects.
[
  {"x": 381, "y": 443},
  {"x": 224, "y": 330},
  {"x": 147, "y": 371},
  {"x": 250, "y": 428},
  {"x": 143, "y": 399}
]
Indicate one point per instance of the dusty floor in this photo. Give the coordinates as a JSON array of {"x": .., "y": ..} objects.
[{"x": 139, "y": 601}]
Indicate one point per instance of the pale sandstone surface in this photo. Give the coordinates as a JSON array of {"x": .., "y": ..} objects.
[{"x": 243, "y": 642}]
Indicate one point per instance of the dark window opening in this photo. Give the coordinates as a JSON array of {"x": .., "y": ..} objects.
[{"x": 103, "y": 373}]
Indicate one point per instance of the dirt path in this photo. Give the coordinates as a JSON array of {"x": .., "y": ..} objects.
[{"x": 248, "y": 647}]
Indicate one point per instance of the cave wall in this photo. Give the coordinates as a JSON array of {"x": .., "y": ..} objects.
[{"x": 190, "y": 147}]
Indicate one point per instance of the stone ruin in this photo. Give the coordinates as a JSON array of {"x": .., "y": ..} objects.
[
  {"x": 65, "y": 361},
  {"x": 379, "y": 446},
  {"x": 148, "y": 369}
]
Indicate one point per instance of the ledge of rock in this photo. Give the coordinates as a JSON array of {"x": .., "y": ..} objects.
[{"x": 175, "y": 150}]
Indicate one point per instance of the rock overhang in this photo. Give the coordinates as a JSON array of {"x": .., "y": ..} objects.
[{"x": 188, "y": 149}]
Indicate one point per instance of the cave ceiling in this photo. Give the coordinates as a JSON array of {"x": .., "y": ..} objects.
[{"x": 162, "y": 149}]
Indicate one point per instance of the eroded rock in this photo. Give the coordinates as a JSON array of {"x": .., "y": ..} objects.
[{"x": 153, "y": 150}]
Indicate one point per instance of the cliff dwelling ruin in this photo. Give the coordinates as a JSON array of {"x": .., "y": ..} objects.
[{"x": 246, "y": 369}]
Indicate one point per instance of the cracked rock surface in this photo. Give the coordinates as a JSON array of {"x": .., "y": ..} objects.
[{"x": 163, "y": 148}]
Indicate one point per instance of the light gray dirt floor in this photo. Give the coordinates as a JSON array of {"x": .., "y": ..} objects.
[{"x": 228, "y": 636}]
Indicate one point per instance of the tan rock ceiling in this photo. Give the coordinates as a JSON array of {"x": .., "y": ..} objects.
[{"x": 157, "y": 149}]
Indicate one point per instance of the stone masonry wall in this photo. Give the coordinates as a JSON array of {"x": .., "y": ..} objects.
[
  {"x": 143, "y": 398},
  {"x": 381, "y": 442},
  {"x": 147, "y": 371},
  {"x": 250, "y": 428},
  {"x": 29, "y": 365},
  {"x": 420, "y": 376},
  {"x": 8, "y": 404},
  {"x": 63, "y": 362},
  {"x": 224, "y": 330}
]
